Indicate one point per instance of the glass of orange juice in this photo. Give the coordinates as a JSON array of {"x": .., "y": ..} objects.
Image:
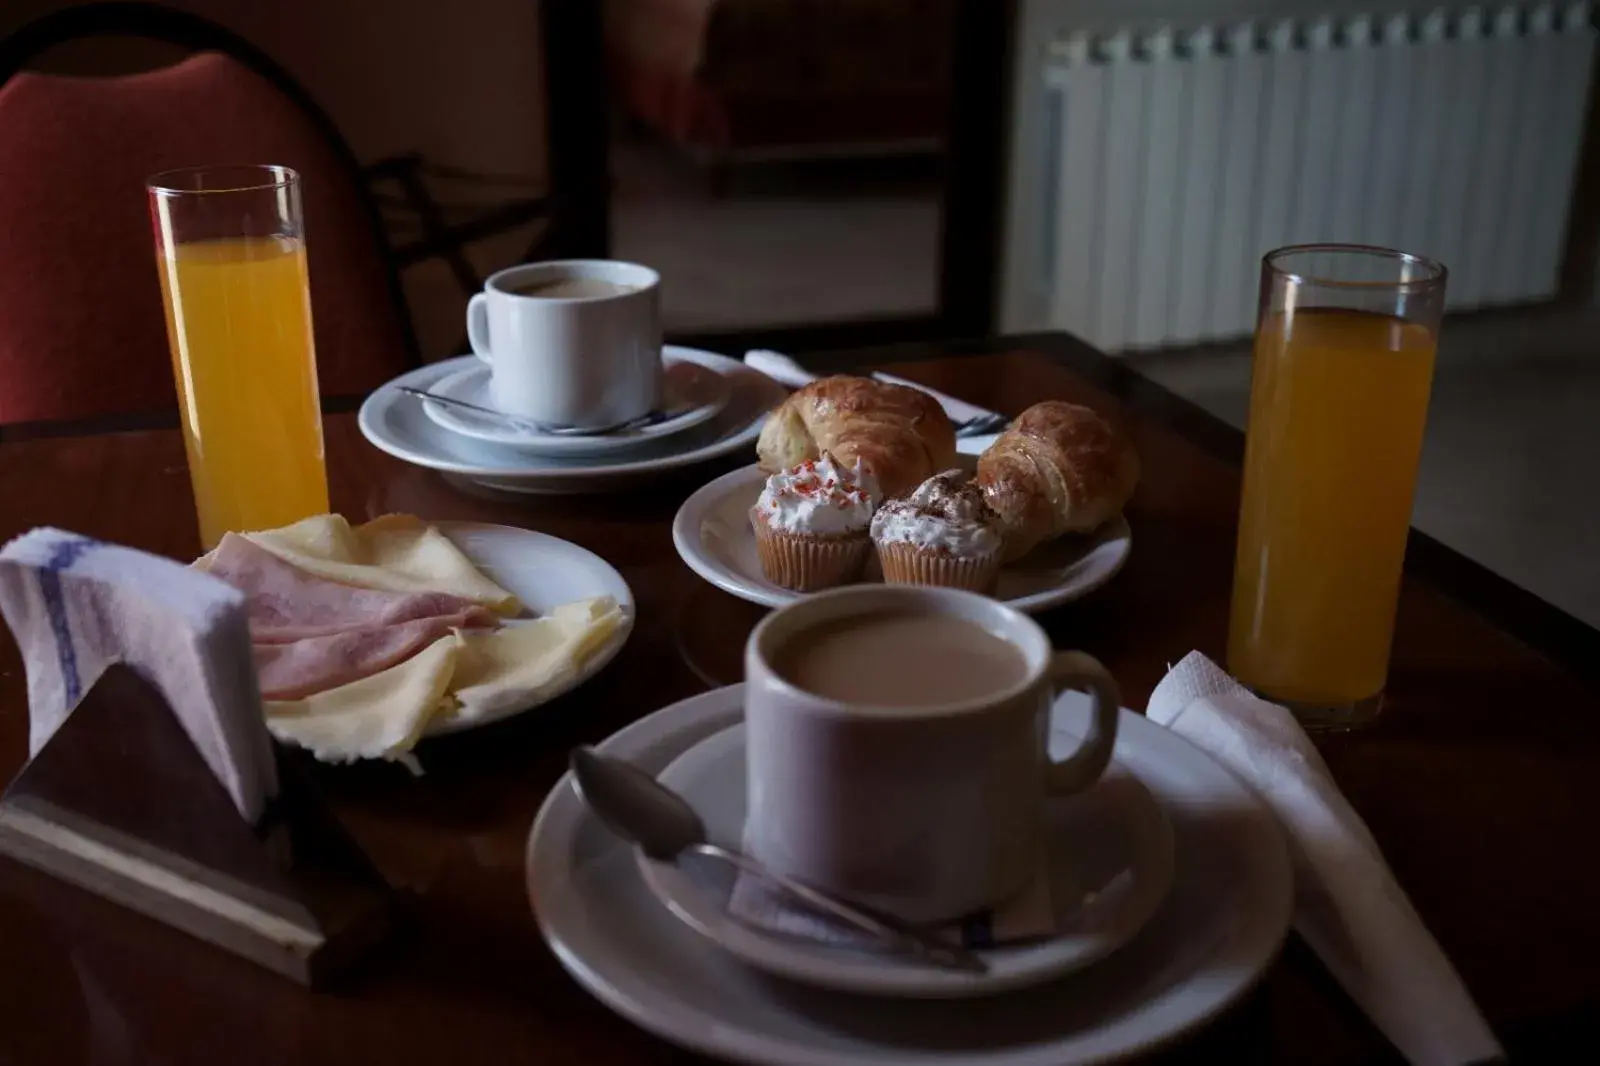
[
  {"x": 231, "y": 252},
  {"x": 1344, "y": 354}
]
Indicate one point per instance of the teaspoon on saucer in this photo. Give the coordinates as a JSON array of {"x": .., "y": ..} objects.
[
  {"x": 641, "y": 809},
  {"x": 534, "y": 426}
]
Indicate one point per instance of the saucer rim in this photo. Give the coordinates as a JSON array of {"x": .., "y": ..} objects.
[
  {"x": 914, "y": 983},
  {"x": 1236, "y": 967},
  {"x": 527, "y": 473},
  {"x": 575, "y": 444}
]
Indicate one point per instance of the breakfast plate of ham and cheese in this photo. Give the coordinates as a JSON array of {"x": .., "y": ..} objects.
[{"x": 368, "y": 638}]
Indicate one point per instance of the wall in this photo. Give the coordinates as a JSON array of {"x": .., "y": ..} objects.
[{"x": 460, "y": 82}]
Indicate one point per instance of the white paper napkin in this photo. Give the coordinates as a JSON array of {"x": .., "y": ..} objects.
[
  {"x": 958, "y": 411},
  {"x": 76, "y": 606},
  {"x": 1348, "y": 906},
  {"x": 779, "y": 368},
  {"x": 1027, "y": 916}
]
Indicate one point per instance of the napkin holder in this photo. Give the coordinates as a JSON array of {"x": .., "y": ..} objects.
[{"x": 120, "y": 803}]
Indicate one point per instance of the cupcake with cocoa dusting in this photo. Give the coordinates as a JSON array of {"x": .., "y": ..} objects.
[
  {"x": 811, "y": 524},
  {"x": 942, "y": 534}
]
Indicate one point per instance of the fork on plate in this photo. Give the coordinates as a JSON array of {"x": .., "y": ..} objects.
[
  {"x": 783, "y": 369},
  {"x": 979, "y": 425}
]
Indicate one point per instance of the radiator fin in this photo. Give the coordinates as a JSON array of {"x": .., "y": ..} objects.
[{"x": 1186, "y": 152}]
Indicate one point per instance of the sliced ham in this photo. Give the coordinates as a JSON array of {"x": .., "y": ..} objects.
[
  {"x": 311, "y": 634},
  {"x": 286, "y": 603},
  {"x": 296, "y": 669}
]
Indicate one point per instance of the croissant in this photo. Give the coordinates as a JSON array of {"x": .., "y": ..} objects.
[
  {"x": 1059, "y": 468},
  {"x": 900, "y": 434}
]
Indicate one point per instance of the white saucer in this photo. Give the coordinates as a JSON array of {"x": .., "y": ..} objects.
[
  {"x": 1209, "y": 942},
  {"x": 713, "y": 536},
  {"x": 543, "y": 572},
  {"x": 698, "y": 392},
  {"x": 395, "y": 423},
  {"x": 1110, "y": 862}
]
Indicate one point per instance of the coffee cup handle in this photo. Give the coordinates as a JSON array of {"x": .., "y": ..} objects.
[
  {"x": 478, "y": 325},
  {"x": 1075, "y": 670}
]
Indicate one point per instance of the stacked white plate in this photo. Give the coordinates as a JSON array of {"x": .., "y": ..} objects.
[
  {"x": 1170, "y": 881},
  {"x": 718, "y": 405}
]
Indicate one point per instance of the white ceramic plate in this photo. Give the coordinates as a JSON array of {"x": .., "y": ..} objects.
[
  {"x": 395, "y": 423},
  {"x": 543, "y": 572},
  {"x": 696, "y": 391},
  {"x": 1109, "y": 857},
  {"x": 713, "y": 536},
  {"x": 1209, "y": 942}
]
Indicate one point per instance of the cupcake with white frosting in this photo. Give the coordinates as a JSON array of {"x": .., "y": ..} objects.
[
  {"x": 942, "y": 534},
  {"x": 811, "y": 524}
]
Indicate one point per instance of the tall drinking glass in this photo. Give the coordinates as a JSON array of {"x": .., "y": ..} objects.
[
  {"x": 1344, "y": 356},
  {"x": 231, "y": 252}
]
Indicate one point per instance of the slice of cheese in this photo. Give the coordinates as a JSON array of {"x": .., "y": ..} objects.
[
  {"x": 517, "y": 665},
  {"x": 467, "y": 675},
  {"x": 398, "y": 553},
  {"x": 377, "y": 717}
]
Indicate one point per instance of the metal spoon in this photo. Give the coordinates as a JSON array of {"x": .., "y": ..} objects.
[
  {"x": 641, "y": 809},
  {"x": 532, "y": 425}
]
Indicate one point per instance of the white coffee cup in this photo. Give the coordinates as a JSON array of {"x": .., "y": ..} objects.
[
  {"x": 930, "y": 813},
  {"x": 586, "y": 360}
]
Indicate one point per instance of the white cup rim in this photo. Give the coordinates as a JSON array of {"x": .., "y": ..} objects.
[
  {"x": 1016, "y": 629},
  {"x": 641, "y": 277}
]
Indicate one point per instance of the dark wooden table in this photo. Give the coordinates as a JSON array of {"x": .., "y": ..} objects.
[{"x": 1480, "y": 781}]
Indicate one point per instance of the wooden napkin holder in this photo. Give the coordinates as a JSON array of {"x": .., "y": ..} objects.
[{"x": 120, "y": 803}]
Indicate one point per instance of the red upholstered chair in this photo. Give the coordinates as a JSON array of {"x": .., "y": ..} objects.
[{"x": 82, "y": 334}]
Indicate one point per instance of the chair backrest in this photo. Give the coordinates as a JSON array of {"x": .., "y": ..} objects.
[{"x": 82, "y": 333}]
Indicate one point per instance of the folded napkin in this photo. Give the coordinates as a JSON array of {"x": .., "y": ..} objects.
[
  {"x": 1348, "y": 906},
  {"x": 779, "y": 368},
  {"x": 1027, "y": 916},
  {"x": 76, "y": 606},
  {"x": 958, "y": 411}
]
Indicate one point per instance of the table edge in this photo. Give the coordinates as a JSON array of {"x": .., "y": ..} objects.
[
  {"x": 1554, "y": 633},
  {"x": 1551, "y": 631}
]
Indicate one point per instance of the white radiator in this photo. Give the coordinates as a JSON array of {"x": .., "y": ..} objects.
[{"x": 1176, "y": 157}]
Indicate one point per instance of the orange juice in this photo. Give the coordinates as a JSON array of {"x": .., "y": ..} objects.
[
  {"x": 239, "y": 325},
  {"x": 1337, "y": 408}
]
